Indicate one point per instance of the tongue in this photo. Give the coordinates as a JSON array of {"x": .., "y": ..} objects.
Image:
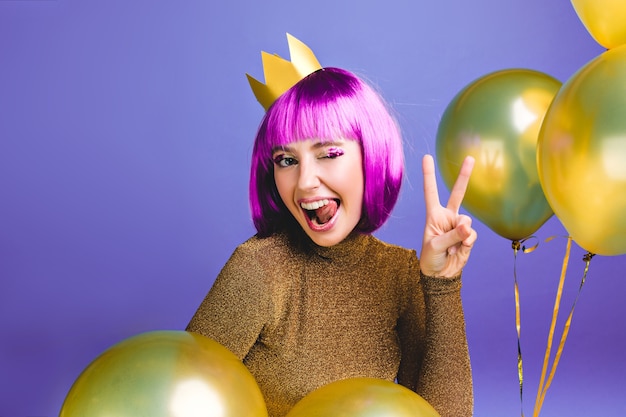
[{"x": 325, "y": 213}]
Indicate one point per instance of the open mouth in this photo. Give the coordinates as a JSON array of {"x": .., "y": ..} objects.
[{"x": 320, "y": 212}]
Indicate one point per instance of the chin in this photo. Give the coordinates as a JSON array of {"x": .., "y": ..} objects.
[{"x": 326, "y": 239}]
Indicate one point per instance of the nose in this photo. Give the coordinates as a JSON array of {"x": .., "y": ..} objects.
[{"x": 308, "y": 178}]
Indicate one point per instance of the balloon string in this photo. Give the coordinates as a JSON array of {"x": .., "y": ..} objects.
[
  {"x": 516, "y": 245},
  {"x": 587, "y": 260},
  {"x": 555, "y": 313}
]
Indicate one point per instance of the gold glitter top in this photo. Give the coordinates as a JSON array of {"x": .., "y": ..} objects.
[{"x": 300, "y": 319}]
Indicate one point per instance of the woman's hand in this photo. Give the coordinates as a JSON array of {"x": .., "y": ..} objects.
[{"x": 448, "y": 235}]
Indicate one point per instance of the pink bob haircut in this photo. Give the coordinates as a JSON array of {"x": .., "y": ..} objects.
[{"x": 328, "y": 104}]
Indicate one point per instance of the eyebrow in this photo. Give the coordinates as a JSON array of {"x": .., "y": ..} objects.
[{"x": 316, "y": 145}]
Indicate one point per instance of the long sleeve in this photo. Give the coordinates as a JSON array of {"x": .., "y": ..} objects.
[
  {"x": 235, "y": 310},
  {"x": 445, "y": 378}
]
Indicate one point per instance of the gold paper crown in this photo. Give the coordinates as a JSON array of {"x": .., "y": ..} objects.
[{"x": 280, "y": 74}]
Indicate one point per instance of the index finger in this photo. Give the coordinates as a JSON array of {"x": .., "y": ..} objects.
[
  {"x": 431, "y": 194},
  {"x": 460, "y": 185}
]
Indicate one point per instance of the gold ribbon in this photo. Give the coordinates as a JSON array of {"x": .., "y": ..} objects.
[
  {"x": 544, "y": 383},
  {"x": 517, "y": 245},
  {"x": 543, "y": 388}
]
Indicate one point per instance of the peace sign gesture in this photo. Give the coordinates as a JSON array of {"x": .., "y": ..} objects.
[{"x": 448, "y": 235}]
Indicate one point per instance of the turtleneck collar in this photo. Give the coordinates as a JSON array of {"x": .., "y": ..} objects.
[{"x": 353, "y": 246}]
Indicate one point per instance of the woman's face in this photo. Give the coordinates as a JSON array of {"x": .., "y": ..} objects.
[{"x": 321, "y": 183}]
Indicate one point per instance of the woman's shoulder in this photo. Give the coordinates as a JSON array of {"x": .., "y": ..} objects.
[
  {"x": 394, "y": 266},
  {"x": 270, "y": 246},
  {"x": 390, "y": 249},
  {"x": 391, "y": 259},
  {"x": 262, "y": 258}
]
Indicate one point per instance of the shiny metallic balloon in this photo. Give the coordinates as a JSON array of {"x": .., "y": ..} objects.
[
  {"x": 362, "y": 397},
  {"x": 604, "y": 20},
  {"x": 496, "y": 119},
  {"x": 581, "y": 154},
  {"x": 165, "y": 374}
]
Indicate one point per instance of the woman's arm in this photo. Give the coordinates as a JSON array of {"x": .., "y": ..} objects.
[
  {"x": 235, "y": 310},
  {"x": 445, "y": 378}
]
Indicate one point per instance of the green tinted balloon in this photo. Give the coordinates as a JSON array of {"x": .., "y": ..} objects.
[
  {"x": 496, "y": 119},
  {"x": 165, "y": 374}
]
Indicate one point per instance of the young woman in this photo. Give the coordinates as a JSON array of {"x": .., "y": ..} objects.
[{"x": 313, "y": 297}]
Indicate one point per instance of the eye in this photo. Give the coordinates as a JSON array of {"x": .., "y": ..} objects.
[
  {"x": 284, "y": 161},
  {"x": 332, "y": 153}
]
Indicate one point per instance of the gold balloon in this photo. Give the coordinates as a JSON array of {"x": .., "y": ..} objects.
[
  {"x": 604, "y": 20},
  {"x": 581, "y": 154},
  {"x": 362, "y": 397},
  {"x": 165, "y": 374},
  {"x": 496, "y": 119}
]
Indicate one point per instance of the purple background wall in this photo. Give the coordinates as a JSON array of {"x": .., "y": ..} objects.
[{"x": 125, "y": 136}]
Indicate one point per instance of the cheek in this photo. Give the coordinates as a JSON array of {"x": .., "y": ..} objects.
[
  {"x": 283, "y": 186},
  {"x": 358, "y": 200},
  {"x": 355, "y": 178},
  {"x": 353, "y": 186}
]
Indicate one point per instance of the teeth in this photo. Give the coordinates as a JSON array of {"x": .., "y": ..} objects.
[{"x": 314, "y": 205}]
